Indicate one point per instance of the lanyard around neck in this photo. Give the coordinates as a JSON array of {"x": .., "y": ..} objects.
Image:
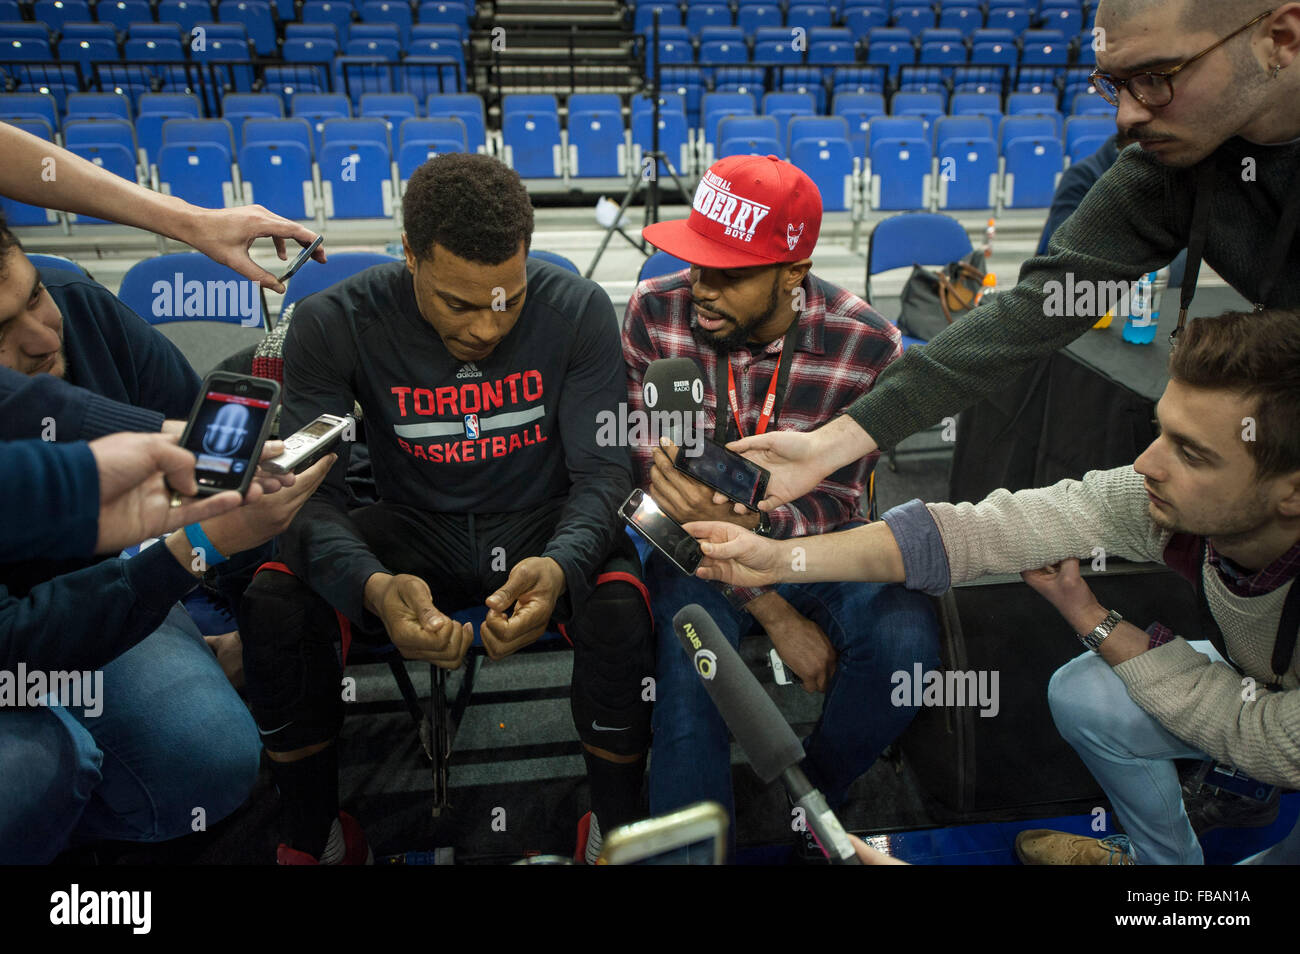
[{"x": 775, "y": 390}]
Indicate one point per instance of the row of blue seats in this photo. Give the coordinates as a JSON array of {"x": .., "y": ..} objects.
[
  {"x": 1070, "y": 18},
  {"x": 187, "y": 13}
]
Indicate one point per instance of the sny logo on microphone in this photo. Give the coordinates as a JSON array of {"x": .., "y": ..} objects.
[{"x": 706, "y": 660}]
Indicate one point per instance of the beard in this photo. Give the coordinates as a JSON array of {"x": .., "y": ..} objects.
[{"x": 724, "y": 341}]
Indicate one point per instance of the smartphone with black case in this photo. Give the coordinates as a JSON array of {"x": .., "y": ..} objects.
[
  {"x": 301, "y": 260},
  {"x": 726, "y": 472},
  {"x": 662, "y": 531},
  {"x": 227, "y": 428},
  {"x": 303, "y": 448}
]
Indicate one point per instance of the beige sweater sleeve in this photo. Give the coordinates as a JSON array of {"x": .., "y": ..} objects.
[
  {"x": 1011, "y": 532},
  {"x": 1209, "y": 706}
]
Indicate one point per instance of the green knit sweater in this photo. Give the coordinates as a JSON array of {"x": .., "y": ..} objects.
[{"x": 1133, "y": 221}]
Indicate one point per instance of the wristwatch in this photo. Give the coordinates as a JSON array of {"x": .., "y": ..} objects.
[{"x": 1094, "y": 639}]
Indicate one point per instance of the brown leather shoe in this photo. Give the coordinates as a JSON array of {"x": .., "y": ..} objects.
[{"x": 1042, "y": 846}]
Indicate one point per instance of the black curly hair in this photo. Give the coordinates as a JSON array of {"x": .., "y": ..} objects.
[{"x": 472, "y": 205}]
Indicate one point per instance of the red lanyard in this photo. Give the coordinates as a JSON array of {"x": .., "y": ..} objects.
[{"x": 769, "y": 403}]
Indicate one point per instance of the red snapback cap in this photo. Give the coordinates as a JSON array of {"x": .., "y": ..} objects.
[{"x": 748, "y": 211}]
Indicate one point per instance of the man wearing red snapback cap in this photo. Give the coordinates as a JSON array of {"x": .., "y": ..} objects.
[{"x": 798, "y": 351}]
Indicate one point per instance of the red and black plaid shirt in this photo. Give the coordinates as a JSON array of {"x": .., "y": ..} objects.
[{"x": 842, "y": 346}]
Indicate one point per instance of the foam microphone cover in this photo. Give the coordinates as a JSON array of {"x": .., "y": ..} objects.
[
  {"x": 673, "y": 384},
  {"x": 752, "y": 716}
]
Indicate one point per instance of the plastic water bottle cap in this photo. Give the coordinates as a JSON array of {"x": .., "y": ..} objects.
[{"x": 990, "y": 280}]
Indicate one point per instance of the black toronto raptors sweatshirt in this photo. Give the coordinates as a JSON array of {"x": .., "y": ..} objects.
[{"x": 505, "y": 434}]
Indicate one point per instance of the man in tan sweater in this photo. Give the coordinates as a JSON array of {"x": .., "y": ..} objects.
[{"x": 1217, "y": 498}]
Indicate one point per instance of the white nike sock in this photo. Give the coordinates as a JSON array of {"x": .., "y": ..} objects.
[{"x": 594, "y": 841}]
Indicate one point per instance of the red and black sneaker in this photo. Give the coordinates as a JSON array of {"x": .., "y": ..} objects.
[
  {"x": 580, "y": 855},
  {"x": 356, "y": 851}
]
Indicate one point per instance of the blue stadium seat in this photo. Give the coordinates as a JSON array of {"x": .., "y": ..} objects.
[
  {"x": 965, "y": 19},
  {"x": 968, "y": 173},
  {"x": 148, "y": 30},
  {"x": 757, "y": 146},
  {"x": 667, "y": 101},
  {"x": 37, "y": 105},
  {"x": 978, "y": 79},
  {"x": 1038, "y": 79},
  {"x": 377, "y": 31},
  {"x": 257, "y": 19},
  {"x": 995, "y": 53},
  {"x": 660, "y": 263},
  {"x": 211, "y": 30},
  {"x": 643, "y": 19},
  {"x": 438, "y": 31},
  {"x": 187, "y": 13},
  {"x": 1032, "y": 103},
  {"x": 1091, "y": 104},
  {"x": 808, "y": 16},
  {"x": 669, "y": 52},
  {"x": 579, "y": 102},
  {"x": 397, "y": 12},
  {"x": 100, "y": 132},
  {"x": 555, "y": 259},
  {"x": 291, "y": 129},
  {"x": 895, "y": 127},
  {"x": 278, "y": 176},
  {"x": 960, "y": 127},
  {"x": 597, "y": 145},
  {"x": 701, "y": 15},
  {"x": 891, "y": 53},
  {"x": 530, "y": 131},
  {"x": 439, "y": 12},
  {"x": 156, "y": 109},
  {"x": 976, "y": 104},
  {"x": 122, "y": 13},
  {"x": 914, "y": 17},
  {"x": 752, "y": 16},
  {"x": 1068, "y": 21},
  {"x": 387, "y": 50},
  {"x": 56, "y": 13},
  {"x": 419, "y": 151},
  {"x": 30, "y": 124},
  {"x": 86, "y": 52},
  {"x": 1085, "y": 146},
  {"x": 831, "y": 53},
  {"x": 715, "y": 52},
  {"x": 751, "y": 128},
  {"x": 942, "y": 53},
  {"x": 860, "y": 109},
  {"x": 924, "y": 79},
  {"x": 1015, "y": 19},
  {"x": 739, "y": 79},
  {"x": 357, "y": 130},
  {"x": 468, "y": 108},
  {"x": 862, "y": 20},
  {"x": 782, "y": 106},
  {"x": 357, "y": 179},
  {"x": 357, "y": 75},
  {"x": 900, "y": 173},
  {"x": 289, "y": 82},
  {"x": 777, "y": 51},
  {"x": 98, "y": 106},
  {"x": 55, "y": 261},
  {"x": 829, "y": 163},
  {"x": 215, "y": 132},
  {"x": 858, "y": 79},
  {"x": 312, "y": 31},
  {"x": 230, "y": 61},
  {"x": 154, "y": 49},
  {"x": 716, "y": 106},
  {"x": 816, "y": 127},
  {"x": 674, "y": 140},
  {"x": 1033, "y": 168},
  {"x": 442, "y": 49},
  {"x": 236, "y": 108},
  {"x": 114, "y": 157},
  {"x": 329, "y": 11},
  {"x": 435, "y": 129},
  {"x": 915, "y": 238},
  {"x": 1081, "y": 127},
  {"x": 88, "y": 31},
  {"x": 806, "y": 81},
  {"x": 390, "y": 107},
  {"x": 1026, "y": 125},
  {"x": 1044, "y": 48},
  {"x": 198, "y": 172}
]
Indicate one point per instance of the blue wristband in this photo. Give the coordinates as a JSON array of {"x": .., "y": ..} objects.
[{"x": 199, "y": 541}]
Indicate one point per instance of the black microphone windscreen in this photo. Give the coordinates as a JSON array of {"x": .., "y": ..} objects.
[
  {"x": 752, "y": 716},
  {"x": 673, "y": 384}
]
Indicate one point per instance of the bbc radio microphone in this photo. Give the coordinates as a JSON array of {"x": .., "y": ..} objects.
[
  {"x": 673, "y": 393},
  {"x": 771, "y": 746}
]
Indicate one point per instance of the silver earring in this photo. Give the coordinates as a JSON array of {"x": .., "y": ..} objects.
[{"x": 1276, "y": 70}]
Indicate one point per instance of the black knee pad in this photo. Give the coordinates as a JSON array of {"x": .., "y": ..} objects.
[
  {"x": 613, "y": 669},
  {"x": 292, "y": 669}
]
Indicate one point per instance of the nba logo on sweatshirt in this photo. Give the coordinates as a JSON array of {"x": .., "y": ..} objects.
[{"x": 471, "y": 426}]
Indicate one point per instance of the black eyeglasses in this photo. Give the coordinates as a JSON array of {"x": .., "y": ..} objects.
[{"x": 1157, "y": 89}]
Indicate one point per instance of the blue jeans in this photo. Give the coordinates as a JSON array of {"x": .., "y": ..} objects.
[
  {"x": 876, "y": 630},
  {"x": 173, "y": 737},
  {"x": 1131, "y": 755}
]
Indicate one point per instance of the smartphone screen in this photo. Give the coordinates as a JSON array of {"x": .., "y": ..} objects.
[
  {"x": 663, "y": 531},
  {"x": 227, "y": 429},
  {"x": 726, "y": 472}
]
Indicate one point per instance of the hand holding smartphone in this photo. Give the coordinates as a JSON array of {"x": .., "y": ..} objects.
[
  {"x": 727, "y": 472},
  {"x": 301, "y": 260},
  {"x": 662, "y": 531},
  {"x": 227, "y": 428}
]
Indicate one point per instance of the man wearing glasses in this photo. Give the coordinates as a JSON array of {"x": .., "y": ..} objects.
[{"x": 1208, "y": 91}]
